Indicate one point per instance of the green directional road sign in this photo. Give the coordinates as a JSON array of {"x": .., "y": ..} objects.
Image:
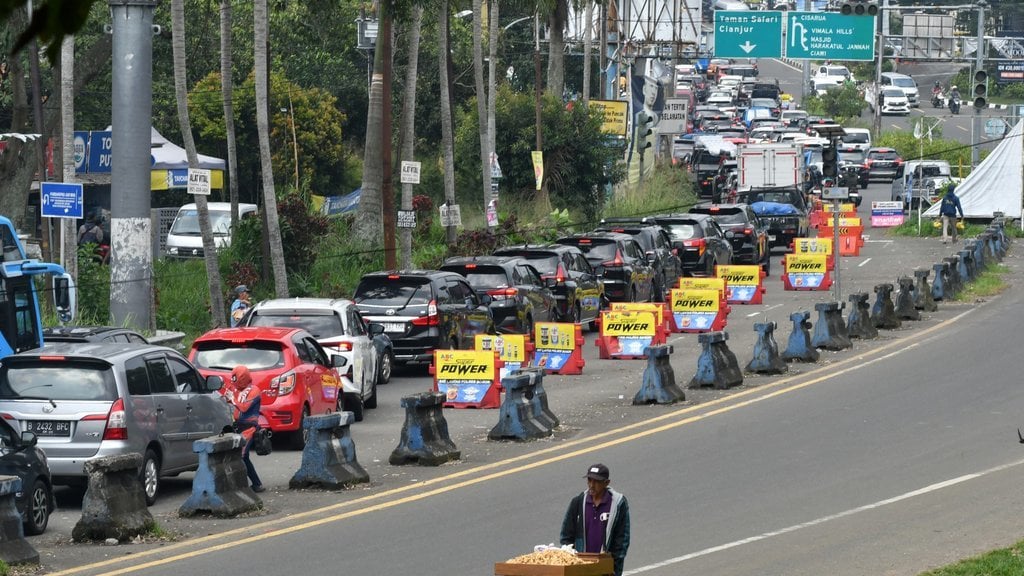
[
  {"x": 829, "y": 36},
  {"x": 756, "y": 34}
]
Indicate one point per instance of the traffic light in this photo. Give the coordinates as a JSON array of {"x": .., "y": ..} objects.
[
  {"x": 980, "y": 93},
  {"x": 830, "y": 162},
  {"x": 858, "y": 8},
  {"x": 644, "y": 131}
]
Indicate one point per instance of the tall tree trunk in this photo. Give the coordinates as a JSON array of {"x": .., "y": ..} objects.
[
  {"x": 368, "y": 226},
  {"x": 181, "y": 97},
  {"x": 481, "y": 98},
  {"x": 492, "y": 87},
  {"x": 447, "y": 138},
  {"x": 588, "y": 40},
  {"x": 260, "y": 41},
  {"x": 69, "y": 248},
  {"x": 408, "y": 129},
  {"x": 227, "y": 88},
  {"x": 556, "y": 48}
]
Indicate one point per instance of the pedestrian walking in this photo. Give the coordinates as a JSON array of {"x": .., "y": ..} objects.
[
  {"x": 245, "y": 397},
  {"x": 597, "y": 520},
  {"x": 948, "y": 210},
  {"x": 240, "y": 305}
]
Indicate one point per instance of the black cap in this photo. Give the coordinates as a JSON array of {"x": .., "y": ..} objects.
[{"x": 597, "y": 472}]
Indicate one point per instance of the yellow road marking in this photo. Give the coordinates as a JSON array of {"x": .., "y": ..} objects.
[{"x": 780, "y": 387}]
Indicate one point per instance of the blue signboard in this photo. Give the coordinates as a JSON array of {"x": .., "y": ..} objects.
[
  {"x": 81, "y": 151},
  {"x": 341, "y": 204},
  {"x": 755, "y": 34},
  {"x": 100, "y": 154},
  {"x": 60, "y": 200}
]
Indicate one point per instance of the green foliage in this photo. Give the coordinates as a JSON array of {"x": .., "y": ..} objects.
[
  {"x": 577, "y": 161},
  {"x": 958, "y": 155},
  {"x": 668, "y": 189},
  {"x": 840, "y": 103},
  {"x": 93, "y": 289},
  {"x": 1002, "y": 562},
  {"x": 182, "y": 296},
  {"x": 326, "y": 166},
  {"x": 1013, "y": 92}
]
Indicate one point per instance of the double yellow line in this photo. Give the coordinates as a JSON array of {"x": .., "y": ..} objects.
[{"x": 457, "y": 480}]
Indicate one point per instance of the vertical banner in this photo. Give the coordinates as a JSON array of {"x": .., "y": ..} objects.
[
  {"x": 538, "y": 166},
  {"x": 695, "y": 310},
  {"x": 511, "y": 350}
]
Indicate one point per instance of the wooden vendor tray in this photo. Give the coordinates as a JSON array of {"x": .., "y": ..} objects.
[{"x": 603, "y": 566}]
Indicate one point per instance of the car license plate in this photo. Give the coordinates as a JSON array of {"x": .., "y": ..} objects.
[
  {"x": 394, "y": 326},
  {"x": 48, "y": 427},
  {"x": 771, "y": 237}
]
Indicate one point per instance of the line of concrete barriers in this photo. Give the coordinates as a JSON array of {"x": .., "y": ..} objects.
[{"x": 114, "y": 505}]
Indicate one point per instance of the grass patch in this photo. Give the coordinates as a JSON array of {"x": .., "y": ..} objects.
[
  {"x": 932, "y": 228},
  {"x": 1004, "y": 562},
  {"x": 989, "y": 283},
  {"x": 667, "y": 189}
]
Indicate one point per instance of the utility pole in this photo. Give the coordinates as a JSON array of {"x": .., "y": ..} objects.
[
  {"x": 387, "y": 191},
  {"x": 805, "y": 86},
  {"x": 131, "y": 256},
  {"x": 883, "y": 14}
]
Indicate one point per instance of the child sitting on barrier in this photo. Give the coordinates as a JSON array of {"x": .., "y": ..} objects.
[{"x": 245, "y": 397}]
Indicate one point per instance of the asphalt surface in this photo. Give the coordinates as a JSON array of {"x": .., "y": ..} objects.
[{"x": 766, "y": 478}]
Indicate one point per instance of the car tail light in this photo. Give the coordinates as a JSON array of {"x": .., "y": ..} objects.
[
  {"x": 898, "y": 161},
  {"x": 284, "y": 383},
  {"x": 698, "y": 244},
  {"x": 868, "y": 163},
  {"x": 503, "y": 293},
  {"x": 273, "y": 389},
  {"x": 340, "y": 346},
  {"x": 560, "y": 274},
  {"x": 749, "y": 230},
  {"x": 431, "y": 319},
  {"x": 117, "y": 421},
  {"x": 617, "y": 261}
]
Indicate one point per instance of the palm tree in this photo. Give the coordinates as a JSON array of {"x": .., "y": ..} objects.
[
  {"x": 481, "y": 97},
  {"x": 408, "y": 129},
  {"x": 368, "y": 226},
  {"x": 447, "y": 138},
  {"x": 557, "y": 20},
  {"x": 229, "y": 115},
  {"x": 67, "y": 120},
  {"x": 273, "y": 225},
  {"x": 181, "y": 95},
  {"x": 588, "y": 39}
]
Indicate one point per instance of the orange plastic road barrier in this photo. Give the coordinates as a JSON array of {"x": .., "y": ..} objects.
[{"x": 468, "y": 378}]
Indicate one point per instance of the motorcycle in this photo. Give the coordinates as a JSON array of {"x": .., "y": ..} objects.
[
  {"x": 954, "y": 104},
  {"x": 938, "y": 100}
]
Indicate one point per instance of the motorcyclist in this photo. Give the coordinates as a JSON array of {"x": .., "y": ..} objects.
[
  {"x": 954, "y": 99},
  {"x": 937, "y": 88}
]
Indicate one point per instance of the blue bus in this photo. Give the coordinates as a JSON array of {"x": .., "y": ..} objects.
[{"x": 21, "y": 326}]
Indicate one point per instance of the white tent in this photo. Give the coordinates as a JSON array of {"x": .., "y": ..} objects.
[
  {"x": 997, "y": 184},
  {"x": 167, "y": 155}
]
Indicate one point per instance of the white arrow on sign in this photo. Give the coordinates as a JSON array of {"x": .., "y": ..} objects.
[{"x": 747, "y": 46}]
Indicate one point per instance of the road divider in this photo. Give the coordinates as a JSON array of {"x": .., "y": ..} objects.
[
  {"x": 220, "y": 486},
  {"x": 658, "y": 385},
  {"x": 425, "y": 439},
  {"x": 799, "y": 345},
  {"x": 883, "y": 312},
  {"x": 858, "y": 321},
  {"x": 766, "y": 358},
  {"x": 716, "y": 365},
  {"x": 830, "y": 331},
  {"x": 329, "y": 457},
  {"x": 114, "y": 505},
  {"x": 905, "y": 308}
]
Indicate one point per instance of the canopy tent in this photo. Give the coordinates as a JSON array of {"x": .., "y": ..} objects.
[
  {"x": 169, "y": 164},
  {"x": 996, "y": 185}
]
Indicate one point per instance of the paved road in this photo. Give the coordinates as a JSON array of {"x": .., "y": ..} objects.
[{"x": 783, "y": 475}]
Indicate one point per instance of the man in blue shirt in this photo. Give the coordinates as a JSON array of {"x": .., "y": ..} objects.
[
  {"x": 948, "y": 210},
  {"x": 597, "y": 520},
  {"x": 240, "y": 305}
]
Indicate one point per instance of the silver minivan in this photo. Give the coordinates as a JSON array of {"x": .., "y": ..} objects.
[{"x": 89, "y": 400}]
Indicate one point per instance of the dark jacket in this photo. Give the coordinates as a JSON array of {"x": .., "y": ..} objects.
[
  {"x": 951, "y": 205},
  {"x": 616, "y": 539}
]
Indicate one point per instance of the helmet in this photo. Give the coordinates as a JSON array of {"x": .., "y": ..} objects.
[
  {"x": 937, "y": 83},
  {"x": 952, "y": 87}
]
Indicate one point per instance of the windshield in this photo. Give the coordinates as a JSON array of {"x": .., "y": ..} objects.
[
  {"x": 593, "y": 249},
  {"x": 682, "y": 230},
  {"x": 725, "y": 215},
  {"x": 904, "y": 82},
  {"x": 482, "y": 277},
  {"x": 222, "y": 354},
  {"x": 393, "y": 292},
  {"x": 319, "y": 325},
  {"x": 893, "y": 92},
  {"x": 187, "y": 223},
  {"x": 856, "y": 138},
  {"x": 58, "y": 380}
]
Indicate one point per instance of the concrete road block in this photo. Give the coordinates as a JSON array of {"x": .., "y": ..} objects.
[
  {"x": 858, "y": 323},
  {"x": 425, "y": 439},
  {"x": 716, "y": 365},
  {"x": 766, "y": 358},
  {"x": 329, "y": 457},
  {"x": 220, "y": 486},
  {"x": 799, "y": 346},
  {"x": 905, "y": 308},
  {"x": 659, "y": 379},
  {"x": 14, "y": 548},
  {"x": 883, "y": 313},
  {"x": 114, "y": 505}
]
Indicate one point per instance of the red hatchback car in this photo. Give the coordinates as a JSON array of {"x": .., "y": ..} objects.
[{"x": 297, "y": 377}]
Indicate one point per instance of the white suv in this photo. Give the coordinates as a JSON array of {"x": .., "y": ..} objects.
[
  {"x": 904, "y": 83},
  {"x": 340, "y": 329}
]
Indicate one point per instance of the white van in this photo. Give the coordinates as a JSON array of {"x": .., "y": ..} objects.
[
  {"x": 857, "y": 139},
  {"x": 184, "y": 239}
]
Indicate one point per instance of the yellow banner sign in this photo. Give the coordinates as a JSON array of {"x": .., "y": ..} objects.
[
  {"x": 703, "y": 284},
  {"x": 653, "y": 307},
  {"x": 847, "y": 222},
  {"x": 842, "y": 208},
  {"x": 812, "y": 246},
  {"x": 614, "y": 116},
  {"x": 510, "y": 347},
  {"x": 688, "y": 300},
  {"x": 627, "y": 323},
  {"x": 555, "y": 336},
  {"x": 740, "y": 275},
  {"x": 465, "y": 365},
  {"x": 538, "y": 166},
  {"x": 806, "y": 263}
]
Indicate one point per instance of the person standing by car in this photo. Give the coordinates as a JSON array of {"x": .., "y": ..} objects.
[
  {"x": 241, "y": 304},
  {"x": 597, "y": 520},
  {"x": 948, "y": 210},
  {"x": 245, "y": 397}
]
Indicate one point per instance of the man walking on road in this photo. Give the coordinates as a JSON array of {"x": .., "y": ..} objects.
[
  {"x": 948, "y": 210},
  {"x": 598, "y": 519}
]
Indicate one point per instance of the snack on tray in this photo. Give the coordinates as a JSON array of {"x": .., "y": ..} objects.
[{"x": 549, "y": 557}]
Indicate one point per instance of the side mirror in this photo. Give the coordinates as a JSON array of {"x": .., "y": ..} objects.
[
  {"x": 28, "y": 439},
  {"x": 376, "y": 329},
  {"x": 485, "y": 299},
  {"x": 214, "y": 383},
  {"x": 338, "y": 361}
]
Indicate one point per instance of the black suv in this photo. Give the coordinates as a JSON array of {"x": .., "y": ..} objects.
[
  {"x": 700, "y": 243},
  {"x": 749, "y": 233},
  {"x": 657, "y": 246},
  {"x": 424, "y": 310},
  {"x": 619, "y": 261},
  {"x": 783, "y": 210},
  {"x": 519, "y": 297},
  {"x": 577, "y": 288},
  {"x": 92, "y": 334}
]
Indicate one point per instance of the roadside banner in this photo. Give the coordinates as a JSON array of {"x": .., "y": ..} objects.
[
  {"x": 467, "y": 378},
  {"x": 810, "y": 246},
  {"x": 624, "y": 335},
  {"x": 886, "y": 213},
  {"x": 744, "y": 283},
  {"x": 514, "y": 350},
  {"x": 695, "y": 310},
  {"x": 559, "y": 348},
  {"x": 661, "y": 314},
  {"x": 805, "y": 272}
]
